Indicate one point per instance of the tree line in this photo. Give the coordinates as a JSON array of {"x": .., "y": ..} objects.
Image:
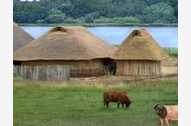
[{"x": 96, "y": 11}]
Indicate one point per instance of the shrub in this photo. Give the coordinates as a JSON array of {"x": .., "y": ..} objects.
[
  {"x": 120, "y": 20},
  {"x": 172, "y": 51},
  {"x": 55, "y": 16}
]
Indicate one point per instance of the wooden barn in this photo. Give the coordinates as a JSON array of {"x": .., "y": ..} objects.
[
  {"x": 20, "y": 37},
  {"x": 73, "y": 51},
  {"x": 139, "y": 56}
]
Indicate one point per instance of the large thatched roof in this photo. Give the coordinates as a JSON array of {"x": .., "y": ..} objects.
[
  {"x": 65, "y": 43},
  {"x": 140, "y": 45},
  {"x": 20, "y": 37}
]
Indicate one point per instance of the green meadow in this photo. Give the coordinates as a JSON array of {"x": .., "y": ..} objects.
[{"x": 38, "y": 103}]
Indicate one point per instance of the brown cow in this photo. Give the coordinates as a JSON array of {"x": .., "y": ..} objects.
[
  {"x": 166, "y": 113},
  {"x": 116, "y": 96}
]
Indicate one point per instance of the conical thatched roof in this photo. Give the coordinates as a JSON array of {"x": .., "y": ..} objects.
[
  {"x": 140, "y": 45},
  {"x": 20, "y": 37},
  {"x": 65, "y": 43}
]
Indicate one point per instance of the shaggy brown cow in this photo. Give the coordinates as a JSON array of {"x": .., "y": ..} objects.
[
  {"x": 167, "y": 113},
  {"x": 116, "y": 96}
]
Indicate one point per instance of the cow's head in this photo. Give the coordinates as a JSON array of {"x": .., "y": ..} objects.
[{"x": 128, "y": 102}]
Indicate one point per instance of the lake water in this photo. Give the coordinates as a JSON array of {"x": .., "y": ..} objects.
[{"x": 165, "y": 36}]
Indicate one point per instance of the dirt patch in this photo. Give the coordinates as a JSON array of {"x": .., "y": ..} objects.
[
  {"x": 112, "y": 80},
  {"x": 170, "y": 66},
  {"x": 169, "y": 70},
  {"x": 172, "y": 61}
]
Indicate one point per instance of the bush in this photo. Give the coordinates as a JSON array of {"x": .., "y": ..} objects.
[
  {"x": 172, "y": 51},
  {"x": 89, "y": 18},
  {"x": 54, "y": 19},
  {"x": 120, "y": 20},
  {"x": 73, "y": 21},
  {"x": 159, "y": 13},
  {"x": 55, "y": 16}
]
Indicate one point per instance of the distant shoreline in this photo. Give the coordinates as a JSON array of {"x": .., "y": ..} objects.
[{"x": 102, "y": 24}]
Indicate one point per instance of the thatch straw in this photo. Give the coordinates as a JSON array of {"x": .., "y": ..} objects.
[
  {"x": 65, "y": 43},
  {"x": 140, "y": 45},
  {"x": 20, "y": 37}
]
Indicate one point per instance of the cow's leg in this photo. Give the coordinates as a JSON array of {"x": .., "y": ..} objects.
[
  {"x": 107, "y": 104},
  {"x": 118, "y": 104},
  {"x": 122, "y": 105},
  {"x": 104, "y": 103}
]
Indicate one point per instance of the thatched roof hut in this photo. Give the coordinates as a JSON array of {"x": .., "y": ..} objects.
[
  {"x": 65, "y": 43},
  {"x": 140, "y": 45},
  {"x": 72, "y": 46},
  {"x": 20, "y": 37},
  {"x": 139, "y": 55}
]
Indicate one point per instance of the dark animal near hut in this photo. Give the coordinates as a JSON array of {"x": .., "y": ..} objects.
[
  {"x": 118, "y": 97},
  {"x": 166, "y": 113}
]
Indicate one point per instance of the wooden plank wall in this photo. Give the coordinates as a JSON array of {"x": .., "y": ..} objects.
[
  {"x": 47, "y": 72},
  {"x": 83, "y": 68},
  {"x": 82, "y": 72},
  {"x": 138, "y": 68}
]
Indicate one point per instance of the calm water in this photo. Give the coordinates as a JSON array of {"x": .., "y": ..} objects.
[{"x": 165, "y": 36}]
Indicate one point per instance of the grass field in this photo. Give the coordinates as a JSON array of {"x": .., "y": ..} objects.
[{"x": 73, "y": 104}]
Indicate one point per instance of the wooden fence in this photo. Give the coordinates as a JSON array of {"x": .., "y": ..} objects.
[{"x": 48, "y": 72}]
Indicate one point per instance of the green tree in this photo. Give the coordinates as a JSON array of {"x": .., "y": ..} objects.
[
  {"x": 55, "y": 16},
  {"x": 59, "y": 11},
  {"x": 159, "y": 13}
]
